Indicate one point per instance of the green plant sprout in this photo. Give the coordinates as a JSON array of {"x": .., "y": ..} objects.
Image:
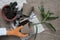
[{"x": 46, "y": 17}]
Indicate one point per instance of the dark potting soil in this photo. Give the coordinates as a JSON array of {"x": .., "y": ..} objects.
[
  {"x": 10, "y": 16},
  {"x": 8, "y": 13}
]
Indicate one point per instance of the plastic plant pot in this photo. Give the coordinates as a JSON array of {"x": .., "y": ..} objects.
[{"x": 4, "y": 14}]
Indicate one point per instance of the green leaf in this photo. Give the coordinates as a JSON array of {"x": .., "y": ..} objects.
[
  {"x": 46, "y": 16},
  {"x": 42, "y": 11},
  {"x": 50, "y": 26},
  {"x": 50, "y": 12},
  {"x": 15, "y": 10},
  {"x": 52, "y": 18},
  {"x": 36, "y": 32},
  {"x": 15, "y": 4},
  {"x": 11, "y": 4}
]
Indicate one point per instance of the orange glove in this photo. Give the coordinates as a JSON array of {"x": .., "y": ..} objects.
[{"x": 16, "y": 32}]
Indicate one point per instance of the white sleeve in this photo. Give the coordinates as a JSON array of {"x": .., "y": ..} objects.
[{"x": 3, "y": 31}]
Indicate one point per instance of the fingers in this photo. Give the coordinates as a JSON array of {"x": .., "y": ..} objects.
[
  {"x": 19, "y": 28},
  {"x": 11, "y": 29},
  {"x": 23, "y": 35}
]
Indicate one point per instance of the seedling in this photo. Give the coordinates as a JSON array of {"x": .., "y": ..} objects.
[{"x": 46, "y": 17}]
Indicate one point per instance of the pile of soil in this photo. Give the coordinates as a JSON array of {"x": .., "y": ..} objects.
[{"x": 9, "y": 14}]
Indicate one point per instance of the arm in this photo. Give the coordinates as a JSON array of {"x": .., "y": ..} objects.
[
  {"x": 3, "y": 31},
  {"x": 14, "y": 32}
]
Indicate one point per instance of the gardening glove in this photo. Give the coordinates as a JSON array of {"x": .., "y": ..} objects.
[{"x": 14, "y": 32}]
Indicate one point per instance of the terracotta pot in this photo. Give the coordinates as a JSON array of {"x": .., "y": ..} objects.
[{"x": 4, "y": 14}]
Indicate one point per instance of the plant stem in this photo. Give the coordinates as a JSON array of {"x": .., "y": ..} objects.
[
  {"x": 36, "y": 32},
  {"x": 47, "y": 15}
]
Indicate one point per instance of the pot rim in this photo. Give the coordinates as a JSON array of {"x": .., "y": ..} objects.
[{"x": 4, "y": 17}]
